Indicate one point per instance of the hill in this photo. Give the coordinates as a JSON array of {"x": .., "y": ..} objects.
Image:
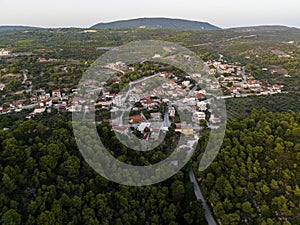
[
  {"x": 3, "y": 28},
  {"x": 166, "y": 23},
  {"x": 261, "y": 28}
]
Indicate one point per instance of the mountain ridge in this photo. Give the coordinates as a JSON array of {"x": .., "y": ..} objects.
[
  {"x": 157, "y": 22},
  {"x": 17, "y": 27},
  {"x": 262, "y": 28}
]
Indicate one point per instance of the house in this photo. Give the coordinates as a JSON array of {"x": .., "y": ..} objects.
[
  {"x": 200, "y": 96},
  {"x": 90, "y": 31},
  {"x": 46, "y": 103},
  {"x": 29, "y": 116},
  {"x": 42, "y": 60},
  {"x": 33, "y": 98},
  {"x": 152, "y": 107},
  {"x": 166, "y": 74},
  {"x": 120, "y": 129},
  {"x": 215, "y": 85},
  {"x": 55, "y": 101},
  {"x": 45, "y": 96},
  {"x": 136, "y": 119},
  {"x": 40, "y": 92},
  {"x": 172, "y": 111},
  {"x": 89, "y": 108},
  {"x": 232, "y": 89},
  {"x": 147, "y": 103},
  {"x": 186, "y": 83},
  {"x": 4, "y": 111},
  {"x": 214, "y": 120},
  {"x": 199, "y": 116},
  {"x": 158, "y": 91},
  {"x": 202, "y": 106},
  {"x": 188, "y": 131},
  {"x": 56, "y": 94},
  {"x": 67, "y": 90},
  {"x": 131, "y": 68},
  {"x": 103, "y": 104},
  {"x": 117, "y": 100},
  {"x": 277, "y": 87},
  {"x": 39, "y": 109},
  {"x": 144, "y": 127},
  {"x": 17, "y": 104},
  {"x": 2, "y": 86},
  {"x": 178, "y": 128},
  {"x": 252, "y": 84},
  {"x": 4, "y": 52},
  {"x": 74, "y": 108},
  {"x": 156, "y": 56}
]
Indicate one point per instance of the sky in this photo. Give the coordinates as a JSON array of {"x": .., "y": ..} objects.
[{"x": 85, "y": 13}]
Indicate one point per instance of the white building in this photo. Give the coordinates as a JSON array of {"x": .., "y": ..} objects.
[
  {"x": 202, "y": 106},
  {"x": 117, "y": 100},
  {"x": 172, "y": 112},
  {"x": 46, "y": 103},
  {"x": 39, "y": 109},
  {"x": 2, "y": 86},
  {"x": 186, "y": 83},
  {"x": 143, "y": 126},
  {"x": 56, "y": 94},
  {"x": 4, "y": 52},
  {"x": 198, "y": 116}
]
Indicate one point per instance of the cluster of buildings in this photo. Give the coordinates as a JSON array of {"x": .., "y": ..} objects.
[
  {"x": 175, "y": 90},
  {"x": 41, "y": 101},
  {"x": 237, "y": 83},
  {"x": 183, "y": 94}
]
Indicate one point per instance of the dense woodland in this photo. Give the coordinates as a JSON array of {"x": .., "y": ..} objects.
[
  {"x": 254, "y": 179},
  {"x": 256, "y": 176},
  {"x": 44, "y": 180}
]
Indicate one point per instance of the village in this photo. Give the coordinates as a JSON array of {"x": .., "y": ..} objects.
[
  {"x": 236, "y": 82},
  {"x": 152, "y": 112}
]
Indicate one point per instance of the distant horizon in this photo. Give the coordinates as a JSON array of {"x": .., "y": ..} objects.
[
  {"x": 132, "y": 18},
  {"x": 84, "y": 14}
]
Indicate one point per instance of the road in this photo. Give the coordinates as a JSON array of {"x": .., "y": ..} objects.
[
  {"x": 208, "y": 215},
  {"x": 192, "y": 91},
  {"x": 166, "y": 123},
  {"x": 244, "y": 74}
]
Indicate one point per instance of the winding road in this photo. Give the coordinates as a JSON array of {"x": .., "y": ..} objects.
[{"x": 208, "y": 214}]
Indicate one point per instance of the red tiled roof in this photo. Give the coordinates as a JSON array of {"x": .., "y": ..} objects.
[
  {"x": 119, "y": 128},
  {"x": 200, "y": 95},
  {"x": 38, "y": 107},
  {"x": 136, "y": 119}
]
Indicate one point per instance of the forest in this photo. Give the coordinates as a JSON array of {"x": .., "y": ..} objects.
[
  {"x": 45, "y": 180},
  {"x": 255, "y": 178}
]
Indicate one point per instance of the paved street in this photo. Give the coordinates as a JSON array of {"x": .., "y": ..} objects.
[{"x": 208, "y": 214}]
